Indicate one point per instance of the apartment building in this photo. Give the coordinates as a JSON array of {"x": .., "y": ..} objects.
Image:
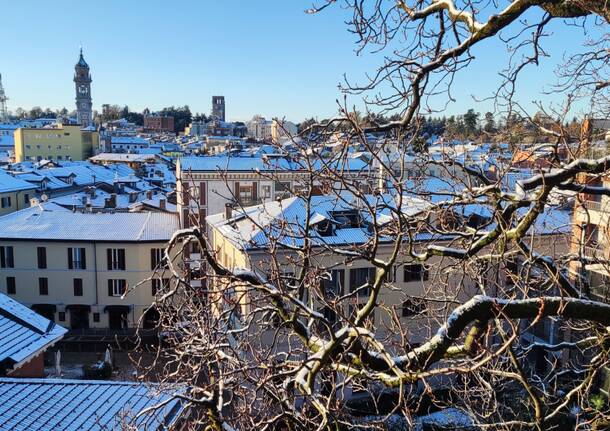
[
  {"x": 590, "y": 239},
  {"x": 81, "y": 269},
  {"x": 241, "y": 240},
  {"x": 61, "y": 142},
  {"x": 206, "y": 185},
  {"x": 15, "y": 193},
  {"x": 158, "y": 123}
]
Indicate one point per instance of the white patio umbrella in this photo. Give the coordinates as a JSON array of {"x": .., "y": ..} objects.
[
  {"x": 108, "y": 357},
  {"x": 58, "y": 363}
]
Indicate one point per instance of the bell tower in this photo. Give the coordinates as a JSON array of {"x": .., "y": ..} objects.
[{"x": 82, "y": 81}]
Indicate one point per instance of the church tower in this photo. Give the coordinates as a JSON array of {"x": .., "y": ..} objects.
[{"x": 82, "y": 80}]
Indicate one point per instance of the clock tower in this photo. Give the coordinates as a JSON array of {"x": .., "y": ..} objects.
[{"x": 82, "y": 81}]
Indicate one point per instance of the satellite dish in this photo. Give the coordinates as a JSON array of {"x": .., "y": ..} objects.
[{"x": 44, "y": 197}]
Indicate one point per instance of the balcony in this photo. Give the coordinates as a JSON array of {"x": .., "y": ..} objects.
[
  {"x": 593, "y": 205},
  {"x": 248, "y": 201},
  {"x": 595, "y": 250}
]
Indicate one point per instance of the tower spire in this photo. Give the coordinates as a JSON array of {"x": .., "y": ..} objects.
[{"x": 3, "y": 99}]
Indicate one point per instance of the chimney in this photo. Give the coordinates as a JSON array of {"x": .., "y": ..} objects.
[
  {"x": 111, "y": 201},
  {"x": 133, "y": 197},
  {"x": 149, "y": 194},
  {"x": 162, "y": 204},
  {"x": 228, "y": 211},
  {"x": 92, "y": 192}
]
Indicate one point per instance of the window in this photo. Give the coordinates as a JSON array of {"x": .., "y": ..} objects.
[
  {"x": 413, "y": 307},
  {"x": 42, "y": 257},
  {"x": 157, "y": 258},
  {"x": 157, "y": 283},
  {"x": 359, "y": 277},
  {"x": 6, "y": 257},
  {"x": 415, "y": 272},
  {"x": 78, "y": 287},
  {"x": 334, "y": 286},
  {"x": 6, "y": 202},
  {"x": 116, "y": 259},
  {"x": 61, "y": 316},
  {"x": 116, "y": 287},
  {"x": 26, "y": 199},
  {"x": 77, "y": 258},
  {"x": 11, "y": 288},
  {"x": 43, "y": 286},
  {"x": 266, "y": 191},
  {"x": 96, "y": 317}
]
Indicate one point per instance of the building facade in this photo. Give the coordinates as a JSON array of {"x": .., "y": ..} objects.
[
  {"x": 82, "y": 82},
  {"x": 282, "y": 131},
  {"x": 260, "y": 129},
  {"x": 62, "y": 142},
  {"x": 218, "y": 108},
  {"x": 158, "y": 123},
  {"x": 85, "y": 270},
  {"x": 201, "y": 191}
]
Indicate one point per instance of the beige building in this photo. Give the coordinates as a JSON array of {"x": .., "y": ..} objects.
[
  {"x": 418, "y": 290},
  {"x": 62, "y": 142},
  {"x": 75, "y": 268},
  {"x": 282, "y": 131}
]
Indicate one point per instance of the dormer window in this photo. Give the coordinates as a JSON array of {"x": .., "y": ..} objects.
[
  {"x": 348, "y": 219},
  {"x": 325, "y": 228}
]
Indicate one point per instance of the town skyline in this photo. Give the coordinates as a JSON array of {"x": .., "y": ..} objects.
[{"x": 274, "y": 77}]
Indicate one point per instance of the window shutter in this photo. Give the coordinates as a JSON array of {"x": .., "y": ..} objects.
[
  {"x": 202, "y": 193},
  {"x": 202, "y": 216},
  {"x": 42, "y": 257},
  {"x": 10, "y": 257},
  {"x": 236, "y": 190},
  {"x": 109, "y": 258},
  {"x": 3, "y": 257},
  {"x": 109, "y": 287},
  {"x": 122, "y": 258},
  {"x": 70, "y": 264},
  {"x": 153, "y": 258},
  {"x": 185, "y": 193},
  {"x": 83, "y": 259},
  {"x": 185, "y": 218},
  {"x": 254, "y": 190}
]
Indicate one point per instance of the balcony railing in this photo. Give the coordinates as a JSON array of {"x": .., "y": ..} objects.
[
  {"x": 593, "y": 205},
  {"x": 248, "y": 202},
  {"x": 595, "y": 250}
]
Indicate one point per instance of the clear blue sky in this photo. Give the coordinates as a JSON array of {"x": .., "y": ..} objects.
[{"x": 264, "y": 56}]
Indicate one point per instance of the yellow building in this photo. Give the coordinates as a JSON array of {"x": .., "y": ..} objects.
[
  {"x": 63, "y": 142},
  {"x": 15, "y": 194}
]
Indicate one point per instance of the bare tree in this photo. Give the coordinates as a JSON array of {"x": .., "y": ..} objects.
[{"x": 415, "y": 281}]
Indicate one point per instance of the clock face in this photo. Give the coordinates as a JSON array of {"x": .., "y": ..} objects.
[
  {"x": 82, "y": 89},
  {"x": 84, "y": 105}
]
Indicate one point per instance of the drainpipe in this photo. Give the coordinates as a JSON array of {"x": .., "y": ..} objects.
[{"x": 95, "y": 269}]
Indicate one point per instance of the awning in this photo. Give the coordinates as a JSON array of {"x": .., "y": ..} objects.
[
  {"x": 52, "y": 308},
  {"x": 78, "y": 307},
  {"x": 124, "y": 309}
]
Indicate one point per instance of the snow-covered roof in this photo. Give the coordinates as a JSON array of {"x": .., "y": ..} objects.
[
  {"x": 123, "y": 157},
  {"x": 46, "y": 222},
  {"x": 70, "y": 405},
  {"x": 235, "y": 163},
  {"x": 9, "y": 183},
  {"x": 24, "y": 333},
  {"x": 252, "y": 227}
]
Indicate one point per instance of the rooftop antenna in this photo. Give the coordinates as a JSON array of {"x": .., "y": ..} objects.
[{"x": 3, "y": 99}]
